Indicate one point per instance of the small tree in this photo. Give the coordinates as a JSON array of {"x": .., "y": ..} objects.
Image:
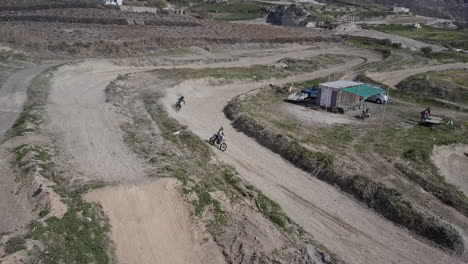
[{"x": 426, "y": 50}]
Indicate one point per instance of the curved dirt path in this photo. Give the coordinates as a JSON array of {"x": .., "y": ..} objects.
[
  {"x": 88, "y": 129},
  {"x": 394, "y": 77},
  {"x": 150, "y": 222},
  {"x": 13, "y": 95},
  {"x": 340, "y": 223},
  {"x": 452, "y": 161}
]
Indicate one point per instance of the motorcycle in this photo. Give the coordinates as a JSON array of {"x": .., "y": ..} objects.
[{"x": 215, "y": 140}]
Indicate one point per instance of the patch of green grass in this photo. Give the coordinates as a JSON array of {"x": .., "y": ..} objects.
[
  {"x": 256, "y": 72},
  {"x": 37, "y": 94},
  {"x": 437, "y": 185},
  {"x": 44, "y": 212},
  {"x": 235, "y": 7},
  {"x": 15, "y": 244},
  {"x": 383, "y": 45},
  {"x": 272, "y": 211},
  {"x": 240, "y": 16},
  {"x": 442, "y": 36},
  {"x": 27, "y": 156},
  {"x": 80, "y": 236}
]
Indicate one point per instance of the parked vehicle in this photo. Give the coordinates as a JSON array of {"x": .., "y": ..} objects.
[
  {"x": 215, "y": 140},
  {"x": 379, "y": 98},
  {"x": 305, "y": 94}
]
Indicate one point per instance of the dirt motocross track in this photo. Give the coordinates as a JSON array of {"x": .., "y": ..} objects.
[{"x": 88, "y": 129}]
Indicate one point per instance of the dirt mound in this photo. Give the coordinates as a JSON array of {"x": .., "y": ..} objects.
[
  {"x": 436, "y": 85},
  {"x": 452, "y": 162},
  {"x": 151, "y": 224}
]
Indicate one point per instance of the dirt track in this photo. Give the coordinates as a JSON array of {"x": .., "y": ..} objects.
[
  {"x": 340, "y": 223},
  {"x": 453, "y": 164},
  {"x": 88, "y": 129},
  {"x": 151, "y": 224},
  {"x": 13, "y": 95}
]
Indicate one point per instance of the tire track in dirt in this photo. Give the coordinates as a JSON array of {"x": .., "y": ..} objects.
[
  {"x": 373, "y": 240},
  {"x": 13, "y": 95},
  {"x": 150, "y": 222}
]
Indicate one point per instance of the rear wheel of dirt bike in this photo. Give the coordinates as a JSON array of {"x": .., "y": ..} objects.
[
  {"x": 223, "y": 146},
  {"x": 212, "y": 141}
]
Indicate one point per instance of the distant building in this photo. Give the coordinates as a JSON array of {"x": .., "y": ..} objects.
[
  {"x": 399, "y": 9},
  {"x": 112, "y": 2}
]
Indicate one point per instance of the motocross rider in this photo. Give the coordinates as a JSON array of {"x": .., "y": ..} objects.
[
  {"x": 220, "y": 135},
  {"x": 180, "y": 100}
]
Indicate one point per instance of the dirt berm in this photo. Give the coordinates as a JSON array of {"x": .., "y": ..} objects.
[{"x": 387, "y": 201}]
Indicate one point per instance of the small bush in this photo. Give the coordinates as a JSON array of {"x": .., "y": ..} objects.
[
  {"x": 426, "y": 51},
  {"x": 15, "y": 244}
]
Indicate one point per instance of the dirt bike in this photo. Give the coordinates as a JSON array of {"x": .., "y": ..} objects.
[{"x": 215, "y": 140}]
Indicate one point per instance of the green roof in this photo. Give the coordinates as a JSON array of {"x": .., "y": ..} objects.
[{"x": 364, "y": 90}]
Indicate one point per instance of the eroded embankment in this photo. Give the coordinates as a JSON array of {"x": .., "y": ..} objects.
[{"x": 387, "y": 201}]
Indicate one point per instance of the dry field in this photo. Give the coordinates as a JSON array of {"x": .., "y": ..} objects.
[{"x": 100, "y": 168}]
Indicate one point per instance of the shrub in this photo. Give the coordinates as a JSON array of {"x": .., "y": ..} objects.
[
  {"x": 15, "y": 244},
  {"x": 426, "y": 51}
]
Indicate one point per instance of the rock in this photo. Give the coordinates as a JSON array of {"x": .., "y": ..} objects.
[{"x": 292, "y": 16}]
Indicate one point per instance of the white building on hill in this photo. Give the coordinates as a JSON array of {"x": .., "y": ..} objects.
[
  {"x": 112, "y": 2},
  {"x": 400, "y": 9}
]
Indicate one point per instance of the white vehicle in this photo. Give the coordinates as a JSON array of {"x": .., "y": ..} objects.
[{"x": 379, "y": 98}]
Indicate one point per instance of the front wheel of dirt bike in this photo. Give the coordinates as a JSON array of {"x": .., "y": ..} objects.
[
  {"x": 212, "y": 141},
  {"x": 223, "y": 146},
  {"x": 177, "y": 107}
]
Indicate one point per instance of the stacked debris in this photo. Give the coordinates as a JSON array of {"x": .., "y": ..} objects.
[{"x": 292, "y": 16}]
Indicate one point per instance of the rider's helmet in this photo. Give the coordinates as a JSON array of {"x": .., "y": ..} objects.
[{"x": 182, "y": 97}]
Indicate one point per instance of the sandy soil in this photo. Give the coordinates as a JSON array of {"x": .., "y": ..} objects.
[
  {"x": 333, "y": 218},
  {"x": 452, "y": 162},
  {"x": 151, "y": 224},
  {"x": 13, "y": 95},
  {"x": 394, "y": 77},
  {"x": 149, "y": 221},
  {"x": 87, "y": 126},
  {"x": 88, "y": 130},
  {"x": 307, "y": 116},
  {"x": 15, "y": 209}
]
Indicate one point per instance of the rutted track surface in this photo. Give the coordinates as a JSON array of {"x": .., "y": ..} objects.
[
  {"x": 333, "y": 218},
  {"x": 13, "y": 95},
  {"x": 89, "y": 132}
]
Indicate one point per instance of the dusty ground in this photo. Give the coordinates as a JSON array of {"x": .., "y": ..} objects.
[
  {"x": 452, "y": 162},
  {"x": 89, "y": 130},
  {"x": 343, "y": 225},
  {"x": 150, "y": 221},
  {"x": 151, "y": 224},
  {"x": 13, "y": 95}
]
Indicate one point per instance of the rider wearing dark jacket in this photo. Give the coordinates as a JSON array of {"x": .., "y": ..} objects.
[
  {"x": 220, "y": 134},
  {"x": 181, "y": 100}
]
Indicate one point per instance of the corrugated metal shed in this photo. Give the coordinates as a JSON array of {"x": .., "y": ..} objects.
[{"x": 341, "y": 84}]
